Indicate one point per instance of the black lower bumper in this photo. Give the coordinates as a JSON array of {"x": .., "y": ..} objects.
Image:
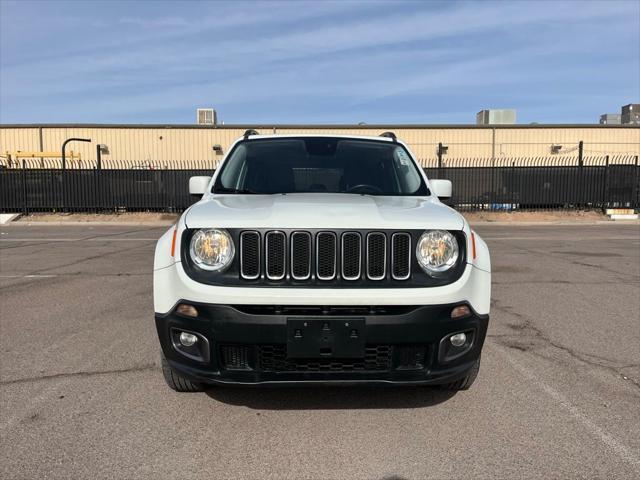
[{"x": 255, "y": 344}]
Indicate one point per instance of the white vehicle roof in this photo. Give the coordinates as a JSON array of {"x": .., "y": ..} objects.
[{"x": 330, "y": 135}]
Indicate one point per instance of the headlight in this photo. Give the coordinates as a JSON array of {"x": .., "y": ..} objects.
[
  {"x": 212, "y": 249},
  {"x": 437, "y": 251}
]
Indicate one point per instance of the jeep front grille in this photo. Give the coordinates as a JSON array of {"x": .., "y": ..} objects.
[
  {"x": 337, "y": 258},
  {"x": 273, "y": 358},
  {"x": 349, "y": 256}
]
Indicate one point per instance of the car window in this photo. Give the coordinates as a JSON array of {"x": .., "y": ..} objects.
[{"x": 320, "y": 164}]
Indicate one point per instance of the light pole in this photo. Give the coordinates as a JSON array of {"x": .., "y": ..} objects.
[
  {"x": 100, "y": 149},
  {"x": 64, "y": 147}
]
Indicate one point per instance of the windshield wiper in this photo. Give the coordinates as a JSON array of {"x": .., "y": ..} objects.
[{"x": 235, "y": 190}]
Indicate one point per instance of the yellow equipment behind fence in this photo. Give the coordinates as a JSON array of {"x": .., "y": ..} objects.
[{"x": 13, "y": 158}]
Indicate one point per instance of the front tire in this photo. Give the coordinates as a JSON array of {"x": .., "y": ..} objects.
[
  {"x": 176, "y": 382},
  {"x": 465, "y": 382}
]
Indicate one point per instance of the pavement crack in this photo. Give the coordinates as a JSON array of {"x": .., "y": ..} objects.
[
  {"x": 23, "y": 245},
  {"x": 621, "y": 276},
  {"x": 118, "y": 234},
  {"x": 532, "y": 333},
  {"x": 96, "y": 275},
  {"x": 86, "y": 259},
  {"x": 54, "y": 376}
]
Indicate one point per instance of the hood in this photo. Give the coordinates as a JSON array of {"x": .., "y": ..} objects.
[{"x": 322, "y": 210}]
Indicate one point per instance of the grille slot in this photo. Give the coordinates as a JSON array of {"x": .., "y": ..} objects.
[
  {"x": 351, "y": 255},
  {"x": 276, "y": 243},
  {"x": 376, "y": 255},
  {"x": 273, "y": 358},
  {"x": 235, "y": 357},
  {"x": 326, "y": 255},
  {"x": 410, "y": 357},
  {"x": 300, "y": 255},
  {"x": 250, "y": 255},
  {"x": 401, "y": 256}
]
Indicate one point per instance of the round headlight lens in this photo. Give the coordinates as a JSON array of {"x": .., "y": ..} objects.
[
  {"x": 212, "y": 249},
  {"x": 437, "y": 251}
]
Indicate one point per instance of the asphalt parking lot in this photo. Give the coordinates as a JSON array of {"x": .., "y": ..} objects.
[{"x": 82, "y": 396}]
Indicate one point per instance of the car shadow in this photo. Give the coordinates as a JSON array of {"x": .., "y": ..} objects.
[{"x": 329, "y": 398}]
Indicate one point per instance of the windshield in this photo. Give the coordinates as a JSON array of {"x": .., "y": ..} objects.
[{"x": 320, "y": 164}]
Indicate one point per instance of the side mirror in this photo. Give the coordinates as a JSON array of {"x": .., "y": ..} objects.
[
  {"x": 198, "y": 185},
  {"x": 441, "y": 188}
]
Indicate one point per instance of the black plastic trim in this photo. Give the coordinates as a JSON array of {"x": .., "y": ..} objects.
[
  {"x": 424, "y": 325},
  {"x": 203, "y": 348},
  {"x": 442, "y": 347},
  {"x": 231, "y": 276}
]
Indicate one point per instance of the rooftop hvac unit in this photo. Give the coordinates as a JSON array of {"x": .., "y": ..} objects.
[
  {"x": 505, "y": 116},
  {"x": 206, "y": 116}
]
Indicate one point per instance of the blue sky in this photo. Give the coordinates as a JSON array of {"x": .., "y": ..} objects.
[{"x": 316, "y": 62}]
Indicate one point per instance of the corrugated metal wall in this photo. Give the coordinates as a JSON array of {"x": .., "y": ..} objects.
[{"x": 156, "y": 145}]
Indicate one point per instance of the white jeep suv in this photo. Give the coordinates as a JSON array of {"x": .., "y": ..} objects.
[{"x": 321, "y": 259}]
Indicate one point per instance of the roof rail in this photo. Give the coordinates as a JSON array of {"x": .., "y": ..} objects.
[
  {"x": 390, "y": 135},
  {"x": 249, "y": 132}
]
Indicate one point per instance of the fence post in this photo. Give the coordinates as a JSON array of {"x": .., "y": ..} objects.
[
  {"x": 580, "y": 188},
  {"x": 580, "y": 152},
  {"x": 95, "y": 189},
  {"x": 605, "y": 186},
  {"x": 24, "y": 188},
  {"x": 636, "y": 201},
  {"x": 492, "y": 197},
  {"x": 63, "y": 179},
  {"x": 99, "y": 157},
  {"x": 175, "y": 192},
  {"x": 512, "y": 182}
]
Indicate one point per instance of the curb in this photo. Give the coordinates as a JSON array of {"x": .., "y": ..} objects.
[
  {"x": 7, "y": 218},
  {"x": 95, "y": 224},
  {"x": 559, "y": 223}
]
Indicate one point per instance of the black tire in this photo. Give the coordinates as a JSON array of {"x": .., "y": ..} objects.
[
  {"x": 465, "y": 382},
  {"x": 176, "y": 382}
]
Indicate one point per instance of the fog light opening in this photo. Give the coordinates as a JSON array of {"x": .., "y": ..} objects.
[
  {"x": 187, "y": 310},
  {"x": 458, "y": 340},
  {"x": 188, "y": 339},
  {"x": 460, "y": 311}
]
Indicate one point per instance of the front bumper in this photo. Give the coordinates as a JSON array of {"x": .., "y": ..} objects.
[
  {"x": 171, "y": 284},
  {"x": 248, "y": 345}
]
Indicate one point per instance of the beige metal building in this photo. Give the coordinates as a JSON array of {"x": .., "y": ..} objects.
[{"x": 162, "y": 146}]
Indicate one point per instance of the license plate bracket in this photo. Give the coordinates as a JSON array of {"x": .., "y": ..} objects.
[{"x": 320, "y": 338}]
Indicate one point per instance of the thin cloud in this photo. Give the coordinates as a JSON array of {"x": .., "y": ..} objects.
[
  {"x": 349, "y": 56},
  {"x": 163, "y": 22}
]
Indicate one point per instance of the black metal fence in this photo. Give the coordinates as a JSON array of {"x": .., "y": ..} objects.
[
  {"x": 478, "y": 184},
  {"x": 542, "y": 184}
]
